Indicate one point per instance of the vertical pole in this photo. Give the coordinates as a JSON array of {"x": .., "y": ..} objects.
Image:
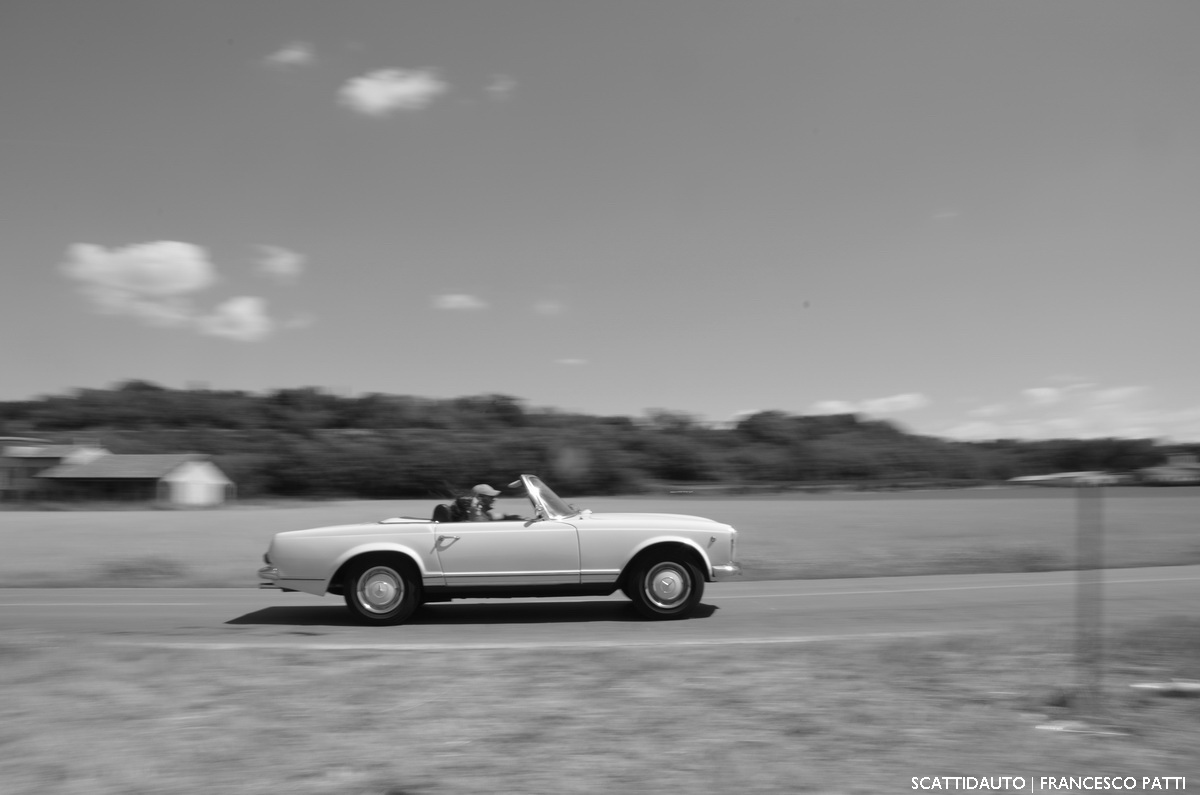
[{"x": 1088, "y": 596}]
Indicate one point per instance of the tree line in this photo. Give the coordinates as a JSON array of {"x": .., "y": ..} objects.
[{"x": 310, "y": 442}]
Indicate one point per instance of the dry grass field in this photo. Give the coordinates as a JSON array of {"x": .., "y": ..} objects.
[
  {"x": 847, "y": 717},
  {"x": 783, "y": 537},
  {"x": 92, "y": 717}
]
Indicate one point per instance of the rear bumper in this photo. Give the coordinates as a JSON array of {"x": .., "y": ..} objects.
[{"x": 726, "y": 571}]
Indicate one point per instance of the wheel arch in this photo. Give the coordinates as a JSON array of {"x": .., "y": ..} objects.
[
  {"x": 680, "y": 546},
  {"x": 401, "y": 555}
]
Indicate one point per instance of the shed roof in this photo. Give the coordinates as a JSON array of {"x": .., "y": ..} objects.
[
  {"x": 41, "y": 451},
  {"x": 124, "y": 466},
  {"x": 1175, "y": 469}
]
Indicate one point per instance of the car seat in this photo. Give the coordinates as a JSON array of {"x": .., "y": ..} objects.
[{"x": 442, "y": 513}]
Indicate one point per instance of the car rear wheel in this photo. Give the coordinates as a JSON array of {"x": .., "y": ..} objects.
[
  {"x": 665, "y": 586},
  {"x": 381, "y": 592}
]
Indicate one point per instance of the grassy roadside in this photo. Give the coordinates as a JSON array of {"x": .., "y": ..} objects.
[
  {"x": 835, "y": 717},
  {"x": 783, "y": 537}
]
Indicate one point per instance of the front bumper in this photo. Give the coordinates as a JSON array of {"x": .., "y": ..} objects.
[
  {"x": 269, "y": 576},
  {"x": 726, "y": 571}
]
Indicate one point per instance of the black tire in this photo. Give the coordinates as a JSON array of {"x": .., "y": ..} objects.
[
  {"x": 381, "y": 591},
  {"x": 664, "y": 586}
]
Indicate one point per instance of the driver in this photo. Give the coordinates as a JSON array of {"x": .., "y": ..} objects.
[{"x": 478, "y": 507}]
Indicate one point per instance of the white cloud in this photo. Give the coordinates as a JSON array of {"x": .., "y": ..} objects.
[
  {"x": 501, "y": 87},
  {"x": 1065, "y": 427},
  {"x": 148, "y": 281},
  {"x": 907, "y": 401},
  {"x": 979, "y": 430},
  {"x": 297, "y": 53},
  {"x": 280, "y": 263},
  {"x": 154, "y": 283},
  {"x": 149, "y": 269},
  {"x": 896, "y": 403},
  {"x": 946, "y": 215},
  {"x": 885, "y": 405},
  {"x": 1117, "y": 395},
  {"x": 571, "y": 362},
  {"x": 1043, "y": 395},
  {"x": 386, "y": 91},
  {"x": 549, "y": 308},
  {"x": 993, "y": 410},
  {"x": 985, "y": 430},
  {"x": 458, "y": 301},
  {"x": 243, "y": 319},
  {"x": 1085, "y": 411},
  {"x": 832, "y": 407}
]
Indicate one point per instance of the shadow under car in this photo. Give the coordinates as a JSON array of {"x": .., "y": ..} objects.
[{"x": 441, "y": 613}]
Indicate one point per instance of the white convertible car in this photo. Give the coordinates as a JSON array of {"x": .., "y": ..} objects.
[{"x": 386, "y": 569}]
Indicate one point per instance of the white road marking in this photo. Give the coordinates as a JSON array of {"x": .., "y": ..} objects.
[
  {"x": 533, "y": 645},
  {"x": 945, "y": 588},
  {"x": 105, "y": 604}
]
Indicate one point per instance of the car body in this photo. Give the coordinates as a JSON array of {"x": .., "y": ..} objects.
[{"x": 386, "y": 569}]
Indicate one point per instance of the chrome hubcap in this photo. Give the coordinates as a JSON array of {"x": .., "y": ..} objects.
[
  {"x": 667, "y": 584},
  {"x": 380, "y": 590}
]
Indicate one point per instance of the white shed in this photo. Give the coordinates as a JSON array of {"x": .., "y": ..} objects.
[{"x": 195, "y": 484}]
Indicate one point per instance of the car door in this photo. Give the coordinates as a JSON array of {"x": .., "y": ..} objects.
[{"x": 508, "y": 553}]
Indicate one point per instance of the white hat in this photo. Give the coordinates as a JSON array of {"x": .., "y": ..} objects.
[{"x": 484, "y": 488}]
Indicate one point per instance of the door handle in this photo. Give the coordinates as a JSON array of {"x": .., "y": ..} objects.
[{"x": 448, "y": 538}]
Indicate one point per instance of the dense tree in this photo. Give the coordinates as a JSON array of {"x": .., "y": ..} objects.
[
  {"x": 308, "y": 441},
  {"x": 769, "y": 427}
]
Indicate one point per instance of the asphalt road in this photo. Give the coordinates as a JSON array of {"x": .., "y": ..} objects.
[{"x": 793, "y": 611}]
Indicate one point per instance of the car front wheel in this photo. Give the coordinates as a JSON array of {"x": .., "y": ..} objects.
[
  {"x": 665, "y": 587},
  {"x": 381, "y": 592}
]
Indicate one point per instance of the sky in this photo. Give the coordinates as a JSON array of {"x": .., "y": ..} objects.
[{"x": 974, "y": 219}]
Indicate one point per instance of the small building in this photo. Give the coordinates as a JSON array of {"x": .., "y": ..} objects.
[
  {"x": 1090, "y": 478},
  {"x": 185, "y": 480},
  {"x": 22, "y": 460},
  {"x": 1180, "y": 470}
]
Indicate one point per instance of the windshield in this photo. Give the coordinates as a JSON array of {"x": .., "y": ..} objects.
[{"x": 539, "y": 491}]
